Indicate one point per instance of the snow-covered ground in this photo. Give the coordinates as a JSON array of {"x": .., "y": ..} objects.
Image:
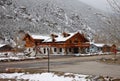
[
  {"x": 45, "y": 77},
  {"x": 14, "y": 57},
  {"x": 91, "y": 54},
  {"x": 21, "y": 56}
]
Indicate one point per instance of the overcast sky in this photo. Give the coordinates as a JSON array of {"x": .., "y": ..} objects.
[{"x": 100, "y": 4}]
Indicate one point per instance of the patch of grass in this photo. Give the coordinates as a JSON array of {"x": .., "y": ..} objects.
[
  {"x": 70, "y": 75},
  {"x": 101, "y": 78},
  {"x": 110, "y": 60},
  {"x": 23, "y": 70},
  {"x": 36, "y": 70},
  {"x": 59, "y": 73},
  {"x": 116, "y": 80},
  {"x": 12, "y": 80}
]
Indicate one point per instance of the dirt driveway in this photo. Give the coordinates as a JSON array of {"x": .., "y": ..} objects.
[{"x": 91, "y": 68}]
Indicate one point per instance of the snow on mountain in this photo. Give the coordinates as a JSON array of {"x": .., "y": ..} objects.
[
  {"x": 99, "y": 4},
  {"x": 49, "y": 16}
]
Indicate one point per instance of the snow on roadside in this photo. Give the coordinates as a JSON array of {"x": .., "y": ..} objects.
[
  {"x": 10, "y": 75},
  {"x": 43, "y": 77},
  {"x": 20, "y": 56},
  {"x": 15, "y": 58}
]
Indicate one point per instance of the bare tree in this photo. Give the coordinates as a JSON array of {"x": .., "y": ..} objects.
[
  {"x": 112, "y": 23},
  {"x": 20, "y": 44},
  {"x": 114, "y": 20}
]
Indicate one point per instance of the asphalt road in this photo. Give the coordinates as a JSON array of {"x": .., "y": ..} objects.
[{"x": 82, "y": 65}]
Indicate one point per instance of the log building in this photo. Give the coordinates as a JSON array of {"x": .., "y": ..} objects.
[{"x": 57, "y": 44}]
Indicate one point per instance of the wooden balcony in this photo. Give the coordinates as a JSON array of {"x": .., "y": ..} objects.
[{"x": 63, "y": 45}]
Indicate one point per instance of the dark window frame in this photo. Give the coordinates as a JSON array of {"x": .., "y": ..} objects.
[{"x": 55, "y": 49}]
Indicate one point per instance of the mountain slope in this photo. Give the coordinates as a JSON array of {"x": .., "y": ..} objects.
[{"x": 49, "y": 16}]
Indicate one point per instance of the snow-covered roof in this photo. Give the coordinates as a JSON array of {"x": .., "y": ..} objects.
[
  {"x": 109, "y": 44},
  {"x": 48, "y": 38},
  {"x": 99, "y": 44},
  {"x": 60, "y": 38},
  {"x": 1, "y": 45},
  {"x": 39, "y": 37}
]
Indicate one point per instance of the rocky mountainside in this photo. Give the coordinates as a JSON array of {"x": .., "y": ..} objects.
[{"x": 49, "y": 16}]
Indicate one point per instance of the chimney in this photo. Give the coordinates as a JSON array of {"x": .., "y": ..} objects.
[
  {"x": 53, "y": 37},
  {"x": 65, "y": 34}
]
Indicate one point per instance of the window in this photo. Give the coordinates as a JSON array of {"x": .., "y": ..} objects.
[
  {"x": 92, "y": 47},
  {"x": 29, "y": 49},
  {"x": 60, "y": 49},
  {"x": 55, "y": 49},
  {"x": 44, "y": 50},
  {"x": 76, "y": 40},
  {"x": 69, "y": 49},
  {"x": 70, "y": 41}
]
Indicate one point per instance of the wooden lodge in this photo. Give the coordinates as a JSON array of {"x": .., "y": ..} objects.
[
  {"x": 106, "y": 48},
  {"x": 6, "y": 48},
  {"x": 101, "y": 48},
  {"x": 109, "y": 48},
  {"x": 96, "y": 47},
  {"x": 57, "y": 44}
]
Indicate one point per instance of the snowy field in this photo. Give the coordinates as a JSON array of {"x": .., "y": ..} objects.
[
  {"x": 6, "y": 59},
  {"x": 44, "y": 77},
  {"x": 51, "y": 77},
  {"x": 14, "y": 57}
]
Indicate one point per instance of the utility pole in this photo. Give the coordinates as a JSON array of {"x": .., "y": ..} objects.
[{"x": 48, "y": 60}]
